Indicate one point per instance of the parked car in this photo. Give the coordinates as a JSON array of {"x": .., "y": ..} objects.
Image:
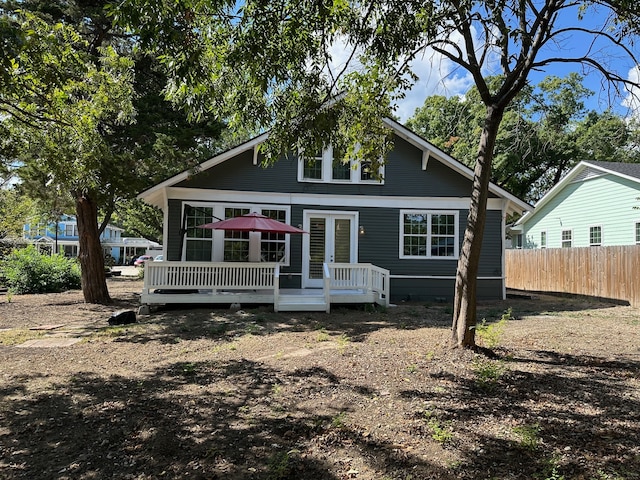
[
  {"x": 159, "y": 258},
  {"x": 141, "y": 259}
]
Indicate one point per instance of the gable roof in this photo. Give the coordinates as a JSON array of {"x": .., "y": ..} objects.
[
  {"x": 585, "y": 170},
  {"x": 154, "y": 194}
]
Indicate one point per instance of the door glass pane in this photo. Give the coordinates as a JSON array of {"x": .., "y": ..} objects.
[
  {"x": 317, "y": 228},
  {"x": 342, "y": 241}
]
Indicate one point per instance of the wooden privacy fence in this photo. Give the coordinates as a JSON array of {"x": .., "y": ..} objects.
[{"x": 607, "y": 272}]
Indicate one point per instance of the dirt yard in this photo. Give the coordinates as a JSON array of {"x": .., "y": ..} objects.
[{"x": 361, "y": 394}]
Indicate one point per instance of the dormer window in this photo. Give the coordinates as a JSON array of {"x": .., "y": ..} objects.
[{"x": 329, "y": 166}]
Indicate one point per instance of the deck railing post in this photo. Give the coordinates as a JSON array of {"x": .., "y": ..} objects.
[
  {"x": 276, "y": 286},
  {"x": 327, "y": 286}
]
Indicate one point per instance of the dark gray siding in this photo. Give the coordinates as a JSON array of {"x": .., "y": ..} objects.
[
  {"x": 175, "y": 224},
  {"x": 379, "y": 245},
  {"x": 403, "y": 176}
]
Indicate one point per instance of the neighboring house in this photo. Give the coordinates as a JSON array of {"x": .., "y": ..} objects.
[
  {"x": 411, "y": 223},
  {"x": 594, "y": 204},
  {"x": 62, "y": 237}
]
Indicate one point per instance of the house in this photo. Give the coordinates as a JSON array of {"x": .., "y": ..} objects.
[
  {"x": 61, "y": 236},
  {"x": 595, "y": 204},
  {"x": 409, "y": 223}
]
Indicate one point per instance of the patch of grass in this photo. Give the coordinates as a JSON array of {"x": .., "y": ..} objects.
[
  {"x": 278, "y": 467},
  {"x": 412, "y": 368},
  {"x": 338, "y": 421},
  {"x": 219, "y": 329},
  {"x": 115, "y": 331},
  {"x": 18, "y": 336},
  {"x": 529, "y": 436},
  {"x": 490, "y": 334},
  {"x": 440, "y": 432},
  {"x": 343, "y": 342},
  {"x": 488, "y": 372},
  {"x": 322, "y": 335}
]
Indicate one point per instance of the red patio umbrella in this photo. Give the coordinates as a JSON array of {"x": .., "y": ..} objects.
[{"x": 252, "y": 222}]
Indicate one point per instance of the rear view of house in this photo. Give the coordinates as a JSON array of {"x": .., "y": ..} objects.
[{"x": 409, "y": 223}]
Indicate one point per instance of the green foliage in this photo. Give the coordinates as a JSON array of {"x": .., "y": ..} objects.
[
  {"x": 529, "y": 436},
  {"x": 27, "y": 271},
  {"x": 440, "y": 432},
  {"x": 488, "y": 372},
  {"x": 491, "y": 334}
]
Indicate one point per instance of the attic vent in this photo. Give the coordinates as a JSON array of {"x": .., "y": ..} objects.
[{"x": 588, "y": 173}]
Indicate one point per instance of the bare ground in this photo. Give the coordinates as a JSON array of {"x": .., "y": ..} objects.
[{"x": 208, "y": 393}]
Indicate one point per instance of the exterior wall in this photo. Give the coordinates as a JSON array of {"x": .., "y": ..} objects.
[
  {"x": 406, "y": 187},
  {"x": 607, "y": 201}
]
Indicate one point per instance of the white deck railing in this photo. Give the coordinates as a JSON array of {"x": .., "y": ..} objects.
[
  {"x": 360, "y": 276},
  {"x": 210, "y": 276}
]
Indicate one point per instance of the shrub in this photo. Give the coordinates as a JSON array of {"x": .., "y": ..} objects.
[{"x": 27, "y": 271}]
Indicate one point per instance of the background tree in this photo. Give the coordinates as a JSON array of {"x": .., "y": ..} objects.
[
  {"x": 268, "y": 64},
  {"x": 83, "y": 108}
]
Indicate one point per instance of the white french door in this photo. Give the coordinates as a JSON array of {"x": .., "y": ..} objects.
[{"x": 332, "y": 238}]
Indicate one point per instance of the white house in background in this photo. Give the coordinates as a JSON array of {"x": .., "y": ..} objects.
[
  {"x": 62, "y": 237},
  {"x": 595, "y": 204}
]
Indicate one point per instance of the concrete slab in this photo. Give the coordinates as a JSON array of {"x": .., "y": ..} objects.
[{"x": 49, "y": 342}]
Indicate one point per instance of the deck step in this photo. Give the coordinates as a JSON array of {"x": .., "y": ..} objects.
[{"x": 302, "y": 303}]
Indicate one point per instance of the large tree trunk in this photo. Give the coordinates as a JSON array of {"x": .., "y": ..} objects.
[
  {"x": 94, "y": 281},
  {"x": 464, "y": 308}
]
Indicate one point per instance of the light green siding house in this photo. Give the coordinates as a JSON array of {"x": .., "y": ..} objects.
[{"x": 593, "y": 205}]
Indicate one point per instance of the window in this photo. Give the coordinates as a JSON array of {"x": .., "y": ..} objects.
[
  {"x": 638, "y": 232},
  {"x": 236, "y": 244},
  {"x": 567, "y": 238},
  {"x": 426, "y": 234},
  {"x": 341, "y": 169},
  {"x": 329, "y": 166},
  {"x": 199, "y": 241},
  {"x": 71, "y": 230},
  {"x": 595, "y": 236},
  {"x": 273, "y": 245},
  {"x": 543, "y": 239},
  {"x": 313, "y": 167}
]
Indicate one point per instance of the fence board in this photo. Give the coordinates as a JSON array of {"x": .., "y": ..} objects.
[{"x": 607, "y": 272}]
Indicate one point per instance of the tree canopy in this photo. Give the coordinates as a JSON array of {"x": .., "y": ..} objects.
[
  {"x": 86, "y": 117},
  {"x": 545, "y": 131}
]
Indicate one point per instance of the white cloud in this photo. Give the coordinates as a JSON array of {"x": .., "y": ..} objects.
[{"x": 632, "y": 100}]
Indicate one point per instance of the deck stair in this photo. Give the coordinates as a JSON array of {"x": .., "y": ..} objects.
[{"x": 312, "y": 300}]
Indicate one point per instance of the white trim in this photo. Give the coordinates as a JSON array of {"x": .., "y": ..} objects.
[
  {"x": 514, "y": 203},
  {"x": 568, "y": 178},
  {"x": 326, "y": 175},
  {"x": 562, "y": 240},
  {"x": 150, "y": 194},
  {"x": 306, "y": 219},
  {"x": 325, "y": 200},
  {"x": 425, "y": 159},
  {"x": 597, "y": 225},
  {"x": 217, "y": 238},
  {"x": 416, "y": 140},
  {"x": 428, "y": 256},
  {"x": 437, "y": 277}
]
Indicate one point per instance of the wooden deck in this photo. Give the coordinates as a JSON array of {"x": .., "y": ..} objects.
[{"x": 259, "y": 283}]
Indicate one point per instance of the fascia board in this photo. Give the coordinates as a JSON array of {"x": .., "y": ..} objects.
[
  {"x": 153, "y": 194},
  {"x": 516, "y": 204}
]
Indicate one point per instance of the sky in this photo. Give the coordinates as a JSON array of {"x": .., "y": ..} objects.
[{"x": 440, "y": 76}]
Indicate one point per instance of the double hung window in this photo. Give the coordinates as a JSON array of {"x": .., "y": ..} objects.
[{"x": 428, "y": 234}]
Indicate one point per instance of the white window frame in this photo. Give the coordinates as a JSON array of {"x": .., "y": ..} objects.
[
  {"x": 636, "y": 232},
  {"x": 544, "y": 239},
  {"x": 327, "y": 171},
  {"x": 430, "y": 214},
  {"x": 562, "y": 240},
  {"x": 601, "y": 236},
  {"x": 255, "y": 238}
]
